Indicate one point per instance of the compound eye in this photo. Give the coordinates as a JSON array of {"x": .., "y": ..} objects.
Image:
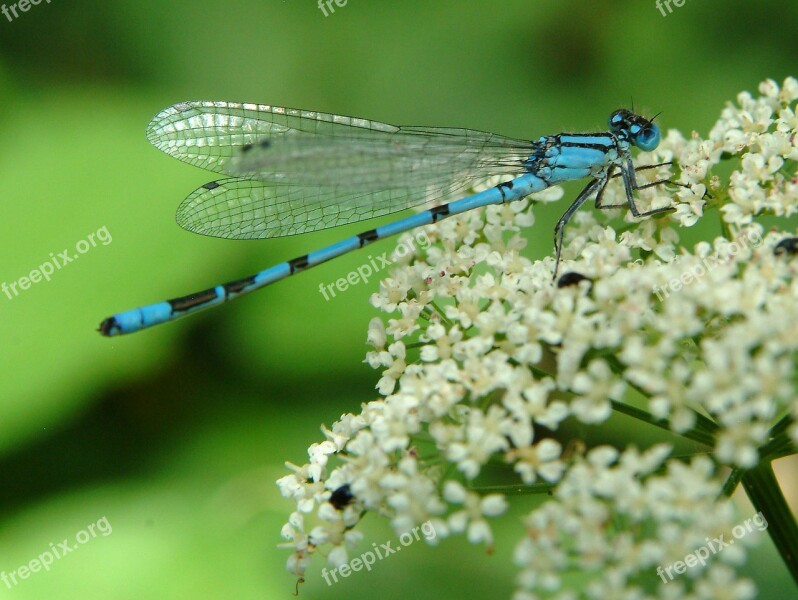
[{"x": 646, "y": 139}]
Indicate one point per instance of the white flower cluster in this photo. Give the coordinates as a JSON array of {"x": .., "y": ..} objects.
[
  {"x": 483, "y": 358},
  {"x": 616, "y": 517}
]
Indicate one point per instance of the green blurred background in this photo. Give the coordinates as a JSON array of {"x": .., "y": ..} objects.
[{"x": 177, "y": 434}]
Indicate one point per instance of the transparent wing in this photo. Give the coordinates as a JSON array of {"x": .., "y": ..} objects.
[
  {"x": 290, "y": 146},
  {"x": 247, "y": 209}
]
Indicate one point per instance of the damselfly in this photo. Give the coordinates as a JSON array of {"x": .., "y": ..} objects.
[{"x": 291, "y": 171}]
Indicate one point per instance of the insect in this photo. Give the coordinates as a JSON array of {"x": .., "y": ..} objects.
[
  {"x": 289, "y": 171},
  {"x": 341, "y": 497},
  {"x": 786, "y": 246}
]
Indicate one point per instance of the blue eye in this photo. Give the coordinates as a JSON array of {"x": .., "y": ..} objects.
[{"x": 647, "y": 139}]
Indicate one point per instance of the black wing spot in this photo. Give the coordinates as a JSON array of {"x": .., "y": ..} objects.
[
  {"x": 265, "y": 143},
  {"x": 246, "y": 148},
  {"x": 211, "y": 185}
]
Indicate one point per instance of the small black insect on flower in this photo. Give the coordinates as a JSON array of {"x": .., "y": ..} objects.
[
  {"x": 341, "y": 497},
  {"x": 786, "y": 246},
  {"x": 571, "y": 278}
]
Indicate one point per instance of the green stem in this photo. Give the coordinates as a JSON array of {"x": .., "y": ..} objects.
[
  {"x": 783, "y": 424},
  {"x": 703, "y": 432},
  {"x": 540, "y": 373},
  {"x": 696, "y": 434},
  {"x": 732, "y": 482},
  {"x": 704, "y": 426},
  {"x": 778, "y": 447},
  {"x": 441, "y": 314},
  {"x": 765, "y": 494},
  {"x": 725, "y": 228},
  {"x": 515, "y": 489}
]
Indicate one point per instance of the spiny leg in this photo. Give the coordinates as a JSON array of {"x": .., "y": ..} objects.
[
  {"x": 630, "y": 185},
  {"x": 601, "y": 184},
  {"x": 610, "y": 175},
  {"x": 661, "y": 181},
  {"x": 591, "y": 187},
  {"x": 613, "y": 175}
]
